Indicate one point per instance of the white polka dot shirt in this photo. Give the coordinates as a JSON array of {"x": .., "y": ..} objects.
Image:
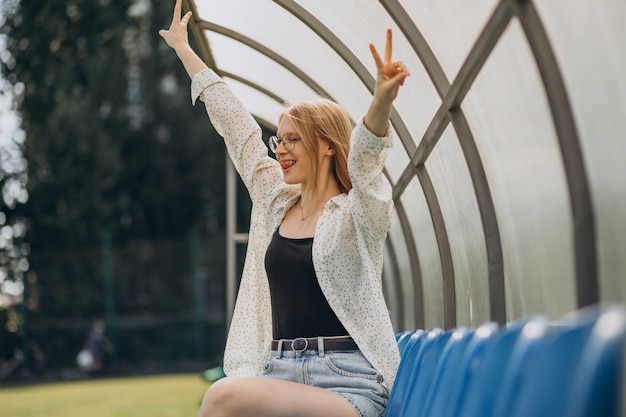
[{"x": 347, "y": 248}]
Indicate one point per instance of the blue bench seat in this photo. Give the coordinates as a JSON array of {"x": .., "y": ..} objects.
[{"x": 532, "y": 367}]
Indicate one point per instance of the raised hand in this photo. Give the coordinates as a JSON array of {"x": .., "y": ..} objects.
[
  {"x": 390, "y": 74},
  {"x": 178, "y": 39},
  {"x": 176, "y": 36}
]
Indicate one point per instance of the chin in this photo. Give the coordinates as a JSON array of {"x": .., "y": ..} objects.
[{"x": 289, "y": 179}]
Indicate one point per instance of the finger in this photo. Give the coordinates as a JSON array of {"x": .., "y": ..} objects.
[
  {"x": 186, "y": 18},
  {"x": 377, "y": 60},
  {"x": 403, "y": 72},
  {"x": 177, "y": 7},
  {"x": 401, "y": 77},
  {"x": 388, "y": 47},
  {"x": 399, "y": 66}
]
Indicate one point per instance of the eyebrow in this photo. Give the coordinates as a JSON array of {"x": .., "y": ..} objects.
[{"x": 286, "y": 134}]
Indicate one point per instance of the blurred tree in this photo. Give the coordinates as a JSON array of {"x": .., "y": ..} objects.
[{"x": 112, "y": 146}]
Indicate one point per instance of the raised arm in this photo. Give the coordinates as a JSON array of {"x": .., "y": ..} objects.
[
  {"x": 178, "y": 39},
  {"x": 390, "y": 76},
  {"x": 242, "y": 134}
]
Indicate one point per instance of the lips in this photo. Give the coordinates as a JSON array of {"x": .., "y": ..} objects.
[{"x": 286, "y": 164}]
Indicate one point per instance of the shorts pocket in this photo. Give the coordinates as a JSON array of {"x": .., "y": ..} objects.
[{"x": 351, "y": 364}]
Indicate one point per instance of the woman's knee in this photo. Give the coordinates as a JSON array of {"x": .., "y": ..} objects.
[{"x": 220, "y": 399}]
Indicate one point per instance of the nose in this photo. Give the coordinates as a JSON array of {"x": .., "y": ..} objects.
[{"x": 281, "y": 147}]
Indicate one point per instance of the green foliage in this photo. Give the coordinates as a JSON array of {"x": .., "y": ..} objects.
[
  {"x": 112, "y": 146},
  {"x": 86, "y": 152}
]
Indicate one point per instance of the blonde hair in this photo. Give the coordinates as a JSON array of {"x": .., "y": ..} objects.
[{"x": 326, "y": 120}]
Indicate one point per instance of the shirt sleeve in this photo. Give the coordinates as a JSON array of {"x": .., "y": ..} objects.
[
  {"x": 371, "y": 194},
  {"x": 242, "y": 135}
]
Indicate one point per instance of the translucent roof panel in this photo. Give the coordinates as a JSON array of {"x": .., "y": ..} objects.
[
  {"x": 396, "y": 236},
  {"x": 259, "y": 105},
  {"x": 419, "y": 101},
  {"x": 589, "y": 43},
  {"x": 292, "y": 40},
  {"x": 464, "y": 228},
  {"x": 245, "y": 62},
  {"x": 450, "y": 27},
  {"x": 401, "y": 159},
  {"x": 423, "y": 232},
  {"x": 515, "y": 133}
]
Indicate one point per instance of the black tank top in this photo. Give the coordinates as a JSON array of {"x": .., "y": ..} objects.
[{"x": 299, "y": 308}]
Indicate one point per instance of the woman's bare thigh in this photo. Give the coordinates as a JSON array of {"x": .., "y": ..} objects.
[{"x": 267, "y": 397}]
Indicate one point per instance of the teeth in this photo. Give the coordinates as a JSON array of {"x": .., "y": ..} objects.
[{"x": 287, "y": 164}]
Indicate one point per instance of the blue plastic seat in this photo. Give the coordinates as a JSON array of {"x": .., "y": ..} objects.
[
  {"x": 457, "y": 363},
  {"x": 418, "y": 361},
  {"x": 544, "y": 389},
  {"x": 404, "y": 337},
  {"x": 449, "y": 358},
  {"x": 596, "y": 384},
  {"x": 430, "y": 354},
  {"x": 532, "y": 338},
  {"x": 532, "y": 367},
  {"x": 399, "y": 335},
  {"x": 484, "y": 377}
]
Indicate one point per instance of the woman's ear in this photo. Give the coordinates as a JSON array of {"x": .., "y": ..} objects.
[{"x": 330, "y": 151}]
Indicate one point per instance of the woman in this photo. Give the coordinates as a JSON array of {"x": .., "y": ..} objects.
[{"x": 311, "y": 334}]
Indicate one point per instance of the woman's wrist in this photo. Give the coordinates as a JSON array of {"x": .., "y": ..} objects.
[
  {"x": 191, "y": 61},
  {"x": 182, "y": 48},
  {"x": 376, "y": 119}
]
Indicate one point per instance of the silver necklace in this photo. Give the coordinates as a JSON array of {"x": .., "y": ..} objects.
[{"x": 303, "y": 217}]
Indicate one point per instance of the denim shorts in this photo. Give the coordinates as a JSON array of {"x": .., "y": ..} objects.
[{"x": 346, "y": 372}]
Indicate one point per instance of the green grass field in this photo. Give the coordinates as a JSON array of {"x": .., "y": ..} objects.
[{"x": 154, "y": 396}]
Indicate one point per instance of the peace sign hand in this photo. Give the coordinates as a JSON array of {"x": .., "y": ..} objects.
[
  {"x": 390, "y": 74},
  {"x": 176, "y": 36}
]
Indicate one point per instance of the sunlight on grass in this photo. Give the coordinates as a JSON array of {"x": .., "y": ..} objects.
[{"x": 155, "y": 396}]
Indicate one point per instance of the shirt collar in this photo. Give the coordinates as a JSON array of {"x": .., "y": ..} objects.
[{"x": 339, "y": 200}]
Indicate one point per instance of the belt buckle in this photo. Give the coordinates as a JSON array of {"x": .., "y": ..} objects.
[{"x": 293, "y": 344}]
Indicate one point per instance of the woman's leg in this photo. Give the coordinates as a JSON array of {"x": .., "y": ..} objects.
[{"x": 267, "y": 397}]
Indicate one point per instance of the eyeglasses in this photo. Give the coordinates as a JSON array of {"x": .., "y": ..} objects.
[{"x": 274, "y": 142}]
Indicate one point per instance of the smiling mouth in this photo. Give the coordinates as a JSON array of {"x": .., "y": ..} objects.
[{"x": 287, "y": 164}]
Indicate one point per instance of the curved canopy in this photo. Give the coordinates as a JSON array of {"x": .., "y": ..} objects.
[{"x": 507, "y": 170}]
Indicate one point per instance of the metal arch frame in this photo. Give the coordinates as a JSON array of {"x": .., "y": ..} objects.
[
  {"x": 253, "y": 85},
  {"x": 450, "y": 112},
  {"x": 336, "y": 44},
  {"x": 251, "y": 43},
  {"x": 198, "y": 26},
  {"x": 350, "y": 59},
  {"x": 418, "y": 291},
  {"x": 587, "y": 287},
  {"x": 563, "y": 119},
  {"x": 198, "y": 34}
]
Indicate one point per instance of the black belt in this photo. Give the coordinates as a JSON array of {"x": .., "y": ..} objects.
[{"x": 301, "y": 344}]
